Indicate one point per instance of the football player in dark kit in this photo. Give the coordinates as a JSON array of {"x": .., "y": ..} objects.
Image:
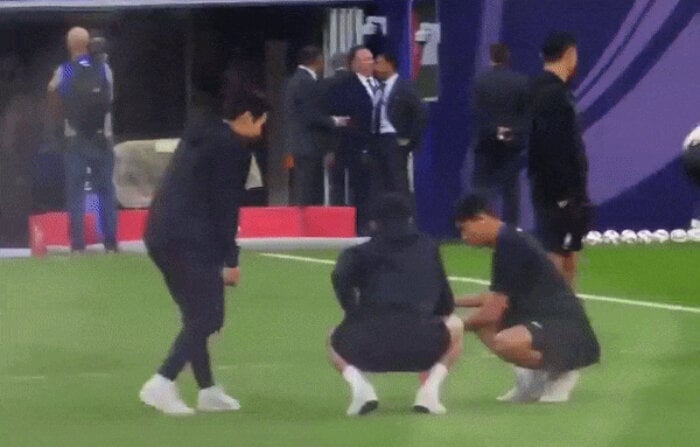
[
  {"x": 530, "y": 317},
  {"x": 557, "y": 164},
  {"x": 398, "y": 309},
  {"x": 191, "y": 237}
]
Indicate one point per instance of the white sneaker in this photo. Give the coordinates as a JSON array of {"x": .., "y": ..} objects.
[
  {"x": 215, "y": 399},
  {"x": 559, "y": 389},
  {"x": 162, "y": 394},
  {"x": 529, "y": 386},
  {"x": 428, "y": 401}
]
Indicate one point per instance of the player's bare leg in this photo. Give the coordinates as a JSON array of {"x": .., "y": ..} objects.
[{"x": 514, "y": 345}]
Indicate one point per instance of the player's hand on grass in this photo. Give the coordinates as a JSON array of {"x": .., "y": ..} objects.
[{"x": 231, "y": 275}]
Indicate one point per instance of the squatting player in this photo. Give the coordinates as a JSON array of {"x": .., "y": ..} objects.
[
  {"x": 531, "y": 316},
  {"x": 398, "y": 310}
]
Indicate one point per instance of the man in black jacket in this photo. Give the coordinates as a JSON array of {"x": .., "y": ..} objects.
[
  {"x": 398, "y": 309},
  {"x": 330, "y": 139},
  {"x": 500, "y": 110},
  {"x": 191, "y": 237},
  {"x": 305, "y": 122},
  {"x": 558, "y": 166},
  {"x": 399, "y": 119}
]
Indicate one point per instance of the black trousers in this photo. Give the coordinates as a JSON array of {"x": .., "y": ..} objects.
[
  {"x": 308, "y": 180},
  {"x": 497, "y": 176},
  {"x": 392, "y": 162},
  {"x": 362, "y": 167},
  {"x": 196, "y": 285}
]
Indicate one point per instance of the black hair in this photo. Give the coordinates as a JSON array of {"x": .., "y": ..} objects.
[
  {"x": 352, "y": 52},
  {"x": 499, "y": 53},
  {"x": 309, "y": 54},
  {"x": 391, "y": 207},
  {"x": 240, "y": 96},
  {"x": 556, "y": 44},
  {"x": 469, "y": 207},
  {"x": 391, "y": 59}
]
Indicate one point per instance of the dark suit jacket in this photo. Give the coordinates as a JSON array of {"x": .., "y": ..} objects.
[
  {"x": 303, "y": 118},
  {"x": 501, "y": 98},
  {"x": 406, "y": 112},
  {"x": 329, "y": 139},
  {"x": 351, "y": 99}
]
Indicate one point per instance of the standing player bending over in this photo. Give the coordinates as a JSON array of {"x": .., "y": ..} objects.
[
  {"x": 191, "y": 237},
  {"x": 531, "y": 317},
  {"x": 398, "y": 310}
]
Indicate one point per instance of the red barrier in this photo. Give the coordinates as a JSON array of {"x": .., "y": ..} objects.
[
  {"x": 321, "y": 221},
  {"x": 132, "y": 225},
  {"x": 254, "y": 222},
  {"x": 270, "y": 222}
]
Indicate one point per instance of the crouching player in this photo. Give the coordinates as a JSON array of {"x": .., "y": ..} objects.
[
  {"x": 531, "y": 317},
  {"x": 398, "y": 310}
]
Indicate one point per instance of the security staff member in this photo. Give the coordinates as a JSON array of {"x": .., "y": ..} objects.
[
  {"x": 500, "y": 109},
  {"x": 558, "y": 166}
]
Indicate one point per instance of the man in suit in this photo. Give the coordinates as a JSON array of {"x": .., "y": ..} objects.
[
  {"x": 354, "y": 99},
  {"x": 330, "y": 139},
  {"x": 399, "y": 119},
  {"x": 304, "y": 122},
  {"x": 500, "y": 109}
]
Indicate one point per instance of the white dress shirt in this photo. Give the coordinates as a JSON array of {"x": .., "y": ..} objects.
[
  {"x": 385, "y": 125},
  {"x": 369, "y": 83},
  {"x": 310, "y": 71}
]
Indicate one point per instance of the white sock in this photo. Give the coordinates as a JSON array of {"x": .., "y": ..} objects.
[
  {"x": 436, "y": 376},
  {"x": 354, "y": 377}
]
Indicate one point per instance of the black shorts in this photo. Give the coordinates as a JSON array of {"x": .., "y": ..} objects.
[
  {"x": 562, "y": 230},
  {"x": 565, "y": 344},
  {"x": 391, "y": 342}
]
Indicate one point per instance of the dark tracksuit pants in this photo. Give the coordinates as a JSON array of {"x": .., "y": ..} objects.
[{"x": 196, "y": 285}]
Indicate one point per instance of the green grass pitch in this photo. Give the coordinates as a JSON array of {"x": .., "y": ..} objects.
[{"x": 79, "y": 335}]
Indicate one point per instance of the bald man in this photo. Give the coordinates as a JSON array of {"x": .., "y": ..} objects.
[{"x": 82, "y": 88}]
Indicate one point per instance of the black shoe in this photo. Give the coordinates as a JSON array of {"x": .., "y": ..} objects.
[
  {"x": 111, "y": 248},
  {"x": 369, "y": 407}
]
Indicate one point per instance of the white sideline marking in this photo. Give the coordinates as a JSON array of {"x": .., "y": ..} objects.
[
  {"x": 298, "y": 258},
  {"x": 27, "y": 378},
  {"x": 482, "y": 282}
]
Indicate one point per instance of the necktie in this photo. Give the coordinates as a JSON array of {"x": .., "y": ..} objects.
[{"x": 377, "y": 110}]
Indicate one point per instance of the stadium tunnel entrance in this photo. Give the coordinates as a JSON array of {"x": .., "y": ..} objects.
[{"x": 165, "y": 60}]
